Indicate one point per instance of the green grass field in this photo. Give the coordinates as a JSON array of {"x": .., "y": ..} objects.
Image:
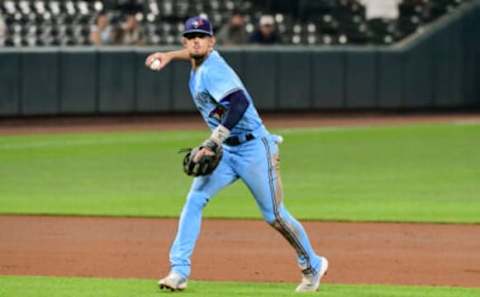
[
  {"x": 83, "y": 287},
  {"x": 422, "y": 173}
]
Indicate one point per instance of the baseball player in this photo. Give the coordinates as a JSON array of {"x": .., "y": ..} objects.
[{"x": 250, "y": 153}]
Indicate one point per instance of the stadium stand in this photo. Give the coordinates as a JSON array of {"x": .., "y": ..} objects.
[{"x": 318, "y": 22}]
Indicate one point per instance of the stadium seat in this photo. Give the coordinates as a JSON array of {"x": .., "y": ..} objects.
[{"x": 316, "y": 22}]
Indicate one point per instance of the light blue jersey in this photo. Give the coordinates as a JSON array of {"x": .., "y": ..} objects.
[{"x": 212, "y": 82}]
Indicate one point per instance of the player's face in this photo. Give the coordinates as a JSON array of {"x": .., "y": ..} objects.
[{"x": 198, "y": 44}]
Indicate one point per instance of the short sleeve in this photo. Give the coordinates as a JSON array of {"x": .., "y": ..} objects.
[{"x": 221, "y": 81}]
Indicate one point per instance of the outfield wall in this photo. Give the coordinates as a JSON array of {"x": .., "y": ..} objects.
[{"x": 437, "y": 68}]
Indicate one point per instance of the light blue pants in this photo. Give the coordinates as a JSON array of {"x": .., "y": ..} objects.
[{"x": 256, "y": 163}]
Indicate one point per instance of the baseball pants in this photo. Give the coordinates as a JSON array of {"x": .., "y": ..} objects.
[{"x": 256, "y": 163}]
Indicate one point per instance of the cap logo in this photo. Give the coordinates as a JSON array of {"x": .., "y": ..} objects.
[{"x": 197, "y": 23}]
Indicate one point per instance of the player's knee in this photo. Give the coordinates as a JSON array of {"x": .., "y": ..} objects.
[
  {"x": 273, "y": 216},
  {"x": 276, "y": 224},
  {"x": 197, "y": 199},
  {"x": 270, "y": 218}
]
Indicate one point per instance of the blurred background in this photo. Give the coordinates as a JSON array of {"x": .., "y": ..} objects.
[
  {"x": 159, "y": 22},
  {"x": 86, "y": 57}
]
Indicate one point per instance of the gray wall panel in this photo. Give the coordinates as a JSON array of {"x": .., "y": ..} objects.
[
  {"x": 40, "y": 83},
  {"x": 328, "y": 79},
  {"x": 457, "y": 66},
  {"x": 9, "y": 83},
  {"x": 182, "y": 99},
  {"x": 78, "y": 77},
  {"x": 361, "y": 76},
  {"x": 442, "y": 68},
  {"x": 154, "y": 88},
  {"x": 476, "y": 98},
  {"x": 235, "y": 58},
  {"x": 116, "y": 81},
  {"x": 418, "y": 76},
  {"x": 260, "y": 78},
  {"x": 390, "y": 79},
  {"x": 294, "y": 80},
  {"x": 468, "y": 31}
]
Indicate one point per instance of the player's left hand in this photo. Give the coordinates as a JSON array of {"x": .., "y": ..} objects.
[
  {"x": 203, "y": 152},
  {"x": 203, "y": 159}
]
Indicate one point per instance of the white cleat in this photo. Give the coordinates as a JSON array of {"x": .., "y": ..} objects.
[
  {"x": 173, "y": 282},
  {"x": 311, "y": 282}
]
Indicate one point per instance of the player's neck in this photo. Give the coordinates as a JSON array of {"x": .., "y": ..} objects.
[{"x": 198, "y": 61}]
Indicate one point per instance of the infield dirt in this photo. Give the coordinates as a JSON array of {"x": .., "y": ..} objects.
[{"x": 230, "y": 250}]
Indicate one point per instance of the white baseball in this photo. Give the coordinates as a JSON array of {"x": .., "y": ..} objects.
[{"x": 155, "y": 65}]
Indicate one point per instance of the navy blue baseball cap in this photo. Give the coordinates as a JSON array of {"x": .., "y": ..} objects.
[{"x": 198, "y": 24}]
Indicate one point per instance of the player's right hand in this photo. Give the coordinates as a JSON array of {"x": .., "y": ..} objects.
[{"x": 162, "y": 58}]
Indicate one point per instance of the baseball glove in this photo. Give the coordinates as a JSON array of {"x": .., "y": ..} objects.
[{"x": 206, "y": 165}]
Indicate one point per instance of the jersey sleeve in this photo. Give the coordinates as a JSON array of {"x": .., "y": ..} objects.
[{"x": 220, "y": 82}]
